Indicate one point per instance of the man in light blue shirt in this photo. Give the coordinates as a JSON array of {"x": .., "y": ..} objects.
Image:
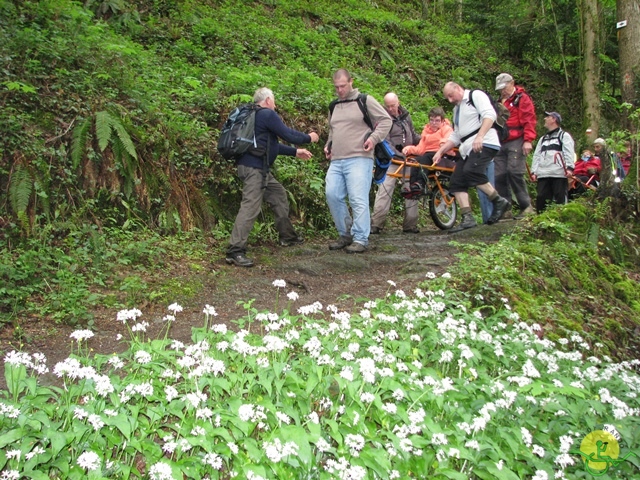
[{"x": 478, "y": 143}]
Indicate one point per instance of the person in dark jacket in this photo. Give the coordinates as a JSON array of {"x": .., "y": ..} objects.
[
  {"x": 401, "y": 135},
  {"x": 258, "y": 182}
]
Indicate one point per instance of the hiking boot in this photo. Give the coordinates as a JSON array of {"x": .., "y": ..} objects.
[
  {"x": 417, "y": 187},
  {"x": 356, "y": 247},
  {"x": 415, "y": 191},
  {"x": 411, "y": 230},
  {"x": 508, "y": 215},
  {"x": 375, "y": 230},
  {"x": 341, "y": 243},
  {"x": 467, "y": 222},
  {"x": 239, "y": 260},
  {"x": 500, "y": 206},
  {"x": 291, "y": 242},
  {"x": 526, "y": 212}
]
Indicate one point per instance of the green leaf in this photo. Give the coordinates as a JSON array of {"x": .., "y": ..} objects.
[
  {"x": 124, "y": 137},
  {"x": 11, "y": 436},
  {"x": 103, "y": 129},
  {"x": 453, "y": 474},
  {"x": 21, "y": 185},
  {"x": 79, "y": 141},
  {"x": 59, "y": 440}
]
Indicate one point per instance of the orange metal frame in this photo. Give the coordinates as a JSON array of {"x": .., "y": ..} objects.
[{"x": 400, "y": 169}]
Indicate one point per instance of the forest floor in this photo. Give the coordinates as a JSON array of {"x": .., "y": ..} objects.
[{"x": 310, "y": 269}]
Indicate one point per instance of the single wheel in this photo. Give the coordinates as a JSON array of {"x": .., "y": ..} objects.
[{"x": 443, "y": 212}]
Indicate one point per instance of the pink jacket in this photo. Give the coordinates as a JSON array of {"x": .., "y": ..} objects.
[{"x": 430, "y": 140}]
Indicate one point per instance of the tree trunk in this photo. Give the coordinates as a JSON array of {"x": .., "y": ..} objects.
[
  {"x": 629, "y": 46},
  {"x": 591, "y": 67}
]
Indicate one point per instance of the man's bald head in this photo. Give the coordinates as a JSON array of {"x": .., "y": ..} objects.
[
  {"x": 392, "y": 104},
  {"x": 453, "y": 92}
]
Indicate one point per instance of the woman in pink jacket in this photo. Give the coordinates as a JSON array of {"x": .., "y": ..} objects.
[{"x": 434, "y": 135}]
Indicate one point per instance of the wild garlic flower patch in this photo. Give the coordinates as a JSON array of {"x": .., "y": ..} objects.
[{"x": 409, "y": 386}]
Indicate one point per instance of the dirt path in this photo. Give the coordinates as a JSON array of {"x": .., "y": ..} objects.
[{"x": 311, "y": 270}]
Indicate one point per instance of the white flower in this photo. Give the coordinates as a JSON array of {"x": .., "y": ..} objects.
[
  {"x": 209, "y": 310},
  {"x": 391, "y": 282},
  {"x": 38, "y": 450},
  {"x": 446, "y": 275},
  {"x": 175, "y": 308},
  {"x": 439, "y": 439},
  {"x": 565, "y": 443},
  {"x": 530, "y": 370},
  {"x": 323, "y": 445},
  {"x": 527, "y": 438},
  {"x": 160, "y": 471},
  {"x": 140, "y": 327},
  {"x": 276, "y": 451},
  {"x": 142, "y": 357},
  {"x": 473, "y": 444},
  {"x": 355, "y": 443},
  {"x": 124, "y": 315},
  {"x": 14, "y": 454},
  {"x": 284, "y": 418},
  {"x": 80, "y": 335},
  {"x": 446, "y": 356},
  {"x": 538, "y": 450},
  {"x": 564, "y": 459},
  {"x": 390, "y": 408},
  {"x": 89, "y": 461},
  {"x": 279, "y": 283},
  {"x": 347, "y": 373},
  {"x": 213, "y": 460},
  {"x": 430, "y": 275},
  {"x": 540, "y": 475},
  {"x": 293, "y": 296},
  {"x": 367, "y": 397}
]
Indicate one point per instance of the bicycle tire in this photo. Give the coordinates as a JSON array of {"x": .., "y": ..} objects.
[{"x": 443, "y": 214}]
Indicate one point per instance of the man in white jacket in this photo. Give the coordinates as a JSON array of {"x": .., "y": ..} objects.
[
  {"x": 473, "y": 120},
  {"x": 553, "y": 162}
]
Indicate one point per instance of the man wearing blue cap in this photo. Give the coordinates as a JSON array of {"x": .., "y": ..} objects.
[{"x": 553, "y": 162}]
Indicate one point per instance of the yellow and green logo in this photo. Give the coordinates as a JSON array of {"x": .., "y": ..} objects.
[{"x": 600, "y": 451}]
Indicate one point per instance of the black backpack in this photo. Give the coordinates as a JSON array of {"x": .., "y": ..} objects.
[
  {"x": 502, "y": 115},
  {"x": 237, "y": 135}
]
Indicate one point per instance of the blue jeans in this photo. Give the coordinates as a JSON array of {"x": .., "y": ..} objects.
[
  {"x": 485, "y": 205},
  {"x": 350, "y": 178}
]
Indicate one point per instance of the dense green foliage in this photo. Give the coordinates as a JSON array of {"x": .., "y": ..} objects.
[
  {"x": 416, "y": 385},
  {"x": 109, "y": 111},
  {"x": 563, "y": 270}
]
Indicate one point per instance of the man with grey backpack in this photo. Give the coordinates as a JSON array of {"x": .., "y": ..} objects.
[{"x": 258, "y": 182}]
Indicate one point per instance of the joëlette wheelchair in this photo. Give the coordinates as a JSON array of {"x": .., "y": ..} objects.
[{"x": 442, "y": 206}]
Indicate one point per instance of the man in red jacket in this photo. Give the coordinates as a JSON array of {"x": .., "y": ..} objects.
[{"x": 510, "y": 162}]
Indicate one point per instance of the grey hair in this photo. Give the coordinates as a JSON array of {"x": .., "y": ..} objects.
[{"x": 262, "y": 94}]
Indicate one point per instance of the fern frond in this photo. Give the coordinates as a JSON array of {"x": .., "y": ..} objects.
[
  {"x": 124, "y": 137},
  {"x": 127, "y": 164},
  {"x": 119, "y": 153},
  {"x": 104, "y": 122},
  {"x": 79, "y": 142},
  {"x": 20, "y": 189}
]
